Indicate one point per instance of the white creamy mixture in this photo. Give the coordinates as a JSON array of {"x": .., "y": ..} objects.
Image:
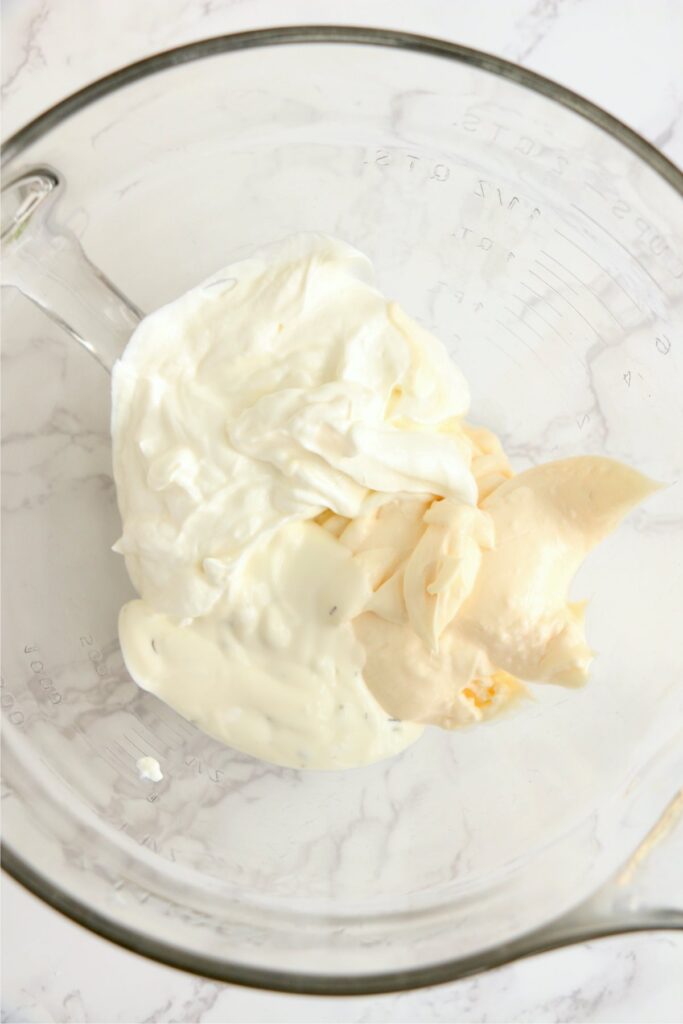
[{"x": 326, "y": 554}]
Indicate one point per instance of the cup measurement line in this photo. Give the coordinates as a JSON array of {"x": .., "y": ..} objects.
[
  {"x": 522, "y": 320},
  {"x": 549, "y": 256},
  {"x": 149, "y": 744},
  {"x": 144, "y": 732},
  {"x": 606, "y": 308},
  {"x": 94, "y": 747},
  {"x": 124, "y": 752},
  {"x": 177, "y": 741},
  {"x": 587, "y": 184},
  {"x": 187, "y": 732},
  {"x": 178, "y": 736},
  {"x": 133, "y": 744},
  {"x": 505, "y": 352},
  {"x": 562, "y": 280},
  {"x": 118, "y": 762},
  {"x": 522, "y": 341},
  {"x": 597, "y": 264},
  {"x": 589, "y": 288},
  {"x": 178, "y": 723},
  {"x": 532, "y": 309},
  {"x": 543, "y": 298},
  {"x": 620, "y": 244},
  {"x": 570, "y": 304}
]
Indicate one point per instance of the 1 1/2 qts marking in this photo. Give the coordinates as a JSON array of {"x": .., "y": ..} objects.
[{"x": 433, "y": 171}]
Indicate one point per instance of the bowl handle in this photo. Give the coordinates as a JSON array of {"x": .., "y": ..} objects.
[{"x": 46, "y": 263}]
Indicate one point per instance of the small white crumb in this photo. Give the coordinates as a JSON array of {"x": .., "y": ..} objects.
[{"x": 149, "y": 769}]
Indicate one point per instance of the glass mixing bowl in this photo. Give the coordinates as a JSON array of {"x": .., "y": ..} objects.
[{"x": 543, "y": 242}]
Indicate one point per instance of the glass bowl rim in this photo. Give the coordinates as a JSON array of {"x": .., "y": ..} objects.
[{"x": 44, "y": 888}]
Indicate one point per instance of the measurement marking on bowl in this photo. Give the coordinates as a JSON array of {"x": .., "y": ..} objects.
[
  {"x": 213, "y": 774},
  {"x": 521, "y": 341},
  {"x": 587, "y": 184},
  {"x": 620, "y": 244},
  {"x": 8, "y": 702},
  {"x": 123, "y": 752},
  {"x": 648, "y": 235},
  {"x": 179, "y": 732},
  {"x": 175, "y": 723},
  {"x": 532, "y": 309},
  {"x": 136, "y": 747},
  {"x": 543, "y": 298},
  {"x": 170, "y": 744},
  {"x": 161, "y": 722},
  {"x": 147, "y": 741},
  {"x": 611, "y": 276},
  {"x": 549, "y": 256},
  {"x": 604, "y": 305},
  {"x": 522, "y": 320},
  {"x": 162, "y": 747},
  {"x": 495, "y": 344},
  {"x": 45, "y": 681},
  {"x": 570, "y": 304},
  {"x": 118, "y": 761},
  {"x": 549, "y": 270},
  {"x": 588, "y": 287}
]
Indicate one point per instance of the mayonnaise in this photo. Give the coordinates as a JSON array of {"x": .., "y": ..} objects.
[
  {"x": 512, "y": 617},
  {"x": 326, "y": 554}
]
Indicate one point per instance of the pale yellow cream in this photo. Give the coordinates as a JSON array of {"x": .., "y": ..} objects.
[
  {"x": 328, "y": 556},
  {"x": 512, "y": 617}
]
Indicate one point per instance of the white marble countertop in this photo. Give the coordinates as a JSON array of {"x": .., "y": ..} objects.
[{"x": 625, "y": 57}]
